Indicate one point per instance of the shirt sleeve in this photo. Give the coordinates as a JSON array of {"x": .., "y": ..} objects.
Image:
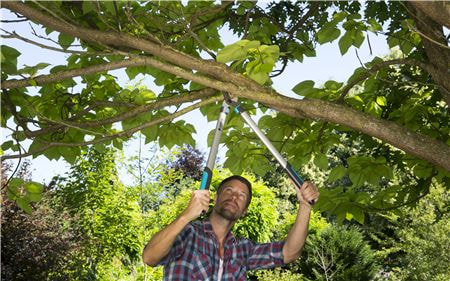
[
  {"x": 178, "y": 246},
  {"x": 263, "y": 256}
]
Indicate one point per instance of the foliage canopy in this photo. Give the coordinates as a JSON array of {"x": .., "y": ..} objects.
[{"x": 394, "y": 108}]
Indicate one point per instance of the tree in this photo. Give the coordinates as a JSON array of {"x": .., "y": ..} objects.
[
  {"x": 106, "y": 213},
  {"x": 190, "y": 161},
  {"x": 339, "y": 253},
  {"x": 418, "y": 239},
  {"x": 35, "y": 246},
  {"x": 397, "y": 105}
]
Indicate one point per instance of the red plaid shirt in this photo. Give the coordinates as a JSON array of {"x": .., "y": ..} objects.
[{"x": 195, "y": 255}]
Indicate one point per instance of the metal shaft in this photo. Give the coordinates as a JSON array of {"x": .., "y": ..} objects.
[
  {"x": 207, "y": 172},
  {"x": 296, "y": 178}
]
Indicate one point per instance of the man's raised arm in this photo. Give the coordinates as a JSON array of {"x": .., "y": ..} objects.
[
  {"x": 161, "y": 243},
  {"x": 297, "y": 235}
]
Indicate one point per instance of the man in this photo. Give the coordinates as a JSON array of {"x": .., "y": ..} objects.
[{"x": 209, "y": 251}]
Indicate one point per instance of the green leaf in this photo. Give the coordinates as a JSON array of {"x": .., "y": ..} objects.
[
  {"x": 16, "y": 182},
  {"x": 24, "y": 204},
  {"x": 144, "y": 96},
  {"x": 337, "y": 173},
  {"x": 321, "y": 161},
  {"x": 381, "y": 100},
  {"x": 345, "y": 42},
  {"x": 33, "y": 82},
  {"x": 109, "y": 7},
  {"x": 422, "y": 171},
  {"x": 358, "y": 38},
  {"x": 65, "y": 40},
  {"x": 259, "y": 77},
  {"x": 374, "y": 25},
  {"x": 236, "y": 51},
  {"x": 333, "y": 85},
  {"x": 374, "y": 109},
  {"x": 34, "y": 187},
  {"x": 211, "y": 111},
  {"x": 88, "y": 6},
  {"x": 356, "y": 177},
  {"x": 328, "y": 33},
  {"x": 9, "y": 59},
  {"x": 357, "y": 214},
  {"x": 231, "y": 53},
  {"x": 34, "y": 197},
  {"x": 133, "y": 71},
  {"x": 338, "y": 17},
  {"x": 69, "y": 154},
  {"x": 118, "y": 143},
  {"x": 303, "y": 87},
  {"x": 32, "y": 70},
  {"x": 7, "y": 145}
]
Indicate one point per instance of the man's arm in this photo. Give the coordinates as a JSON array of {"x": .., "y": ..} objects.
[
  {"x": 297, "y": 235},
  {"x": 161, "y": 243}
]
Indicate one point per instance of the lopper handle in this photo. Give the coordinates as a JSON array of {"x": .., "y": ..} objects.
[{"x": 297, "y": 179}]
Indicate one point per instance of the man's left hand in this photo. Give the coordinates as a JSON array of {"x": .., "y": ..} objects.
[{"x": 308, "y": 193}]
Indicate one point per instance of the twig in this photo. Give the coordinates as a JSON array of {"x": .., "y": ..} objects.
[
  {"x": 359, "y": 59},
  {"x": 17, "y": 36},
  {"x": 200, "y": 42},
  {"x": 70, "y": 125},
  {"x": 13, "y": 21},
  {"x": 368, "y": 42},
  {"x": 13, "y": 173},
  {"x": 415, "y": 30}
]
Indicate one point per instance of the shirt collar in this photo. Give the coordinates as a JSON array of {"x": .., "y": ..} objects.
[{"x": 207, "y": 227}]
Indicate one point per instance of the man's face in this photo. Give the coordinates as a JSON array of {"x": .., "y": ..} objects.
[{"x": 231, "y": 202}]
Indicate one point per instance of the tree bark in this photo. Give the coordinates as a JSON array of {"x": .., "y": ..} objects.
[
  {"x": 433, "y": 39},
  {"x": 438, "y": 11}
]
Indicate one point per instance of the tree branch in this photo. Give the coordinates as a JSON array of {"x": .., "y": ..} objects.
[
  {"x": 112, "y": 38},
  {"x": 206, "y": 93},
  {"x": 431, "y": 33},
  {"x": 126, "y": 133},
  {"x": 17, "y": 36},
  {"x": 439, "y": 11},
  {"x": 62, "y": 75}
]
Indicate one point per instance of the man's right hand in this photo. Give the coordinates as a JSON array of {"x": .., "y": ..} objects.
[
  {"x": 160, "y": 244},
  {"x": 199, "y": 202}
]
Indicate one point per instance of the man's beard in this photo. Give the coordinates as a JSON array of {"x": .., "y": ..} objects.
[{"x": 227, "y": 214}]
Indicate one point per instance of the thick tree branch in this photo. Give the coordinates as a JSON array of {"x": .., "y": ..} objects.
[
  {"x": 416, "y": 144},
  {"x": 439, "y": 11},
  {"x": 439, "y": 57},
  {"x": 126, "y": 133},
  {"x": 112, "y": 38}
]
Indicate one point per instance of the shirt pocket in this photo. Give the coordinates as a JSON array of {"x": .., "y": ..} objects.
[
  {"x": 202, "y": 268},
  {"x": 237, "y": 268}
]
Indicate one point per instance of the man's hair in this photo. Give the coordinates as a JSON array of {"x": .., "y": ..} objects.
[{"x": 241, "y": 179}]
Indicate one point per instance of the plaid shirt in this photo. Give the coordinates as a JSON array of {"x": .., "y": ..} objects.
[{"x": 195, "y": 255}]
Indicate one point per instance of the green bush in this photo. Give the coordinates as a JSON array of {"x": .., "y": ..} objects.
[{"x": 339, "y": 253}]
